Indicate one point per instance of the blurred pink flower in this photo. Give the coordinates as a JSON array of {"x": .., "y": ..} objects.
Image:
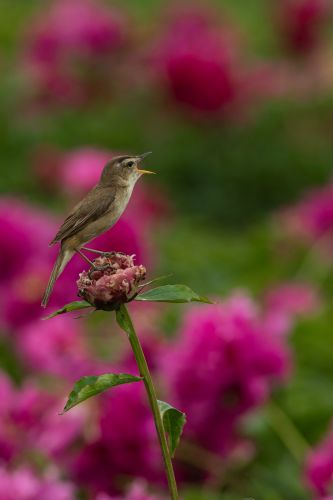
[
  {"x": 25, "y": 484},
  {"x": 55, "y": 347},
  {"x": 319, "y": 467},
  {"x": 71, "y": 48},
  {"x": 29, "y": 423},
  {"x": 81, "y": 169},
  {"x": 311, "y": 219},
  {"x": 126, "y": 444},
  {"x": 285, "y": 302},
  {"x": 137, "y": 491},
  {"x": 301, "y": 23},
  {"x": 22, "y": 296},
  {"x": 25, "y": 231},
  {"x": 228, "y": 357},
  {"x": 196, "y": 62}
]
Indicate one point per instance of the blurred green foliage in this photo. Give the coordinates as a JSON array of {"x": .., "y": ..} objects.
[{"x": 224, "y": 181}]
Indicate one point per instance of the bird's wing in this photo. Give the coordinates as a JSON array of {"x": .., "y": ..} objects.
[{"x": 91, "y": 208}]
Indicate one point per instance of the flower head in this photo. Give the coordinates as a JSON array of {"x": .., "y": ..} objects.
[
  {"x": 113, "y": 281},
  {"x": 24, "y": 484},
  {"x": 311, "y": 219},
  {"x": 319, "y": 467},
  {"x": 301, "y": 22},
  {"x": 56, "y": 347},
  {"x": 196, "y": 63},
  {"x": 71, "y": 47},
  {"x": 124, "y": 446},
  {"x": 235, "y": 364}
]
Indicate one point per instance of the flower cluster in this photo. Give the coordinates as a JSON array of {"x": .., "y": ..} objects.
[
  {"x": 197, "y": 63},
  {"x": 71, "y": 48},
  {"x": 113, "y": 280},
  {"x": 310, "y": 220},
  {"x": 225, "y": 353},
  {"x": 301, "y": 23},
  {"x": 319, "y": 468},
  {"x": 125, "y": 443}
]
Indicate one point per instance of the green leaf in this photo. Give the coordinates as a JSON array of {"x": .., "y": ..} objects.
[
  {"x": 172, "y": 293},
  {"x": 73, "y": 306},
  {"x": 89, "y": 386},
  {"x": 173, "y": 421}
]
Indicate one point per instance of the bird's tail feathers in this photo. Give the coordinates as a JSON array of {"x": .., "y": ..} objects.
[{"x": 63, "y": 258}]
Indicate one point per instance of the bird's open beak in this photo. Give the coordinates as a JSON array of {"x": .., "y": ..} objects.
[
  {"x": 141, "y": 157},
  {"x": 145, "y": 172}
]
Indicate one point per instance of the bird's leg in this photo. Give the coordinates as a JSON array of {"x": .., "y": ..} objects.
[
  {"x": 84, "y": 257},
  {"x": 100, "y": 252},
  {"x": 94, "y": 267},
  {"x": 92, "y": 250}
]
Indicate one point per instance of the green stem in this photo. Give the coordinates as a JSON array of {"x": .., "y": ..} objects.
[
  {"x": 287, "y": 431},
  {"x": 125, "y": 322}
]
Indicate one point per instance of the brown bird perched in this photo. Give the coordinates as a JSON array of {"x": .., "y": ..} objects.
[{"x": 96, "y": 213}]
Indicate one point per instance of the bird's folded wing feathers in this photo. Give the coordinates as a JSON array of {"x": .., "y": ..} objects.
[{"x": 91, "y": 208}]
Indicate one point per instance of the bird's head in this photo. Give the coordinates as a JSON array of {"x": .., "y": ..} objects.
[{"x": 124, "y": 168}]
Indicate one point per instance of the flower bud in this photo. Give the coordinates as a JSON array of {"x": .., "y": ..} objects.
[{"x": 112, "y": 281}]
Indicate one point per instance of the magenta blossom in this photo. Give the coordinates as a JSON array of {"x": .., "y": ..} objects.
[
  {"x": 25, "y": 231},
  {"x": 319, "y": 468},
  {"x": 137, "y": 491},
  {"x": 195, "y": 60},
  {"x": 29, "y": 423},
  {"x": 81, "y": 169},
  {"x": 116, "y": 283},
  {"x": 124, "y": 446},
  {"x": 25, "y": 484},
  {"x": 55, "y": 347},
  {"x": 225, "y": 353},
  {"x": 71, "y": 49},
  {"x": 287, "y": 301},
  {"x": 301, "y": 23},
  {"x": 311, "y": 219}
]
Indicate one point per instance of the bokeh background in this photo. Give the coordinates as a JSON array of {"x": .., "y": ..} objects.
[{"x": 235, "y": 99}]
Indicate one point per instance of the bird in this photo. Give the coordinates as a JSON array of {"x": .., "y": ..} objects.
[{"x": 97, "y": 212}]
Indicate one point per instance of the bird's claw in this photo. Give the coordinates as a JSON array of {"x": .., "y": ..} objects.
[{"x": 99, "y": 268}]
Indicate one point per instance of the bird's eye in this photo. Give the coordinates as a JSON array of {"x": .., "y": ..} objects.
[{"x": 130, "y": 164}]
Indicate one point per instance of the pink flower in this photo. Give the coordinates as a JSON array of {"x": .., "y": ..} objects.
[
  {"x": 126, "y": 443},
  {"x": 195, "y": 61},
  {"x": 319, "y": 467},
  {"x": 116, "y": 284},
  {"x": 81, "y": 169},
  {"x": 230, "y": 360},
  {"x": 285, "y": 302},
  {"x": 24, "y": 484},
  {"x": 25, "y": 231},
  {"x": 71, "y": 48},
  {"x": 137, "y": 491},
  {"x": 311, "y": 219},
  {"x": 29, "y": 422},
  {"x": 301, "y": 23},
  {"x": 56, "y": 347},
  {"x": 22, "y": 296}
]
